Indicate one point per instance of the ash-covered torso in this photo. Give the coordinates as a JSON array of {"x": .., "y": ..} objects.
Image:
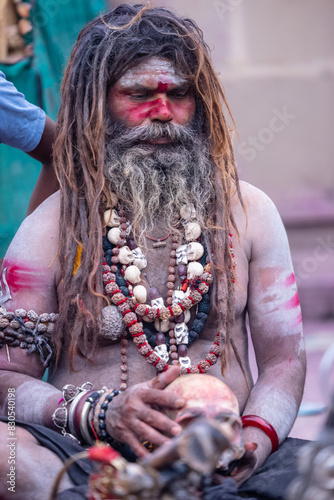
[
  {"x": 104, "y": 367},
  {"x": 264, "y": 286}
]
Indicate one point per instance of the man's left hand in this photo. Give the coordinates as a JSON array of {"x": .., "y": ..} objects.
[{"x": 246, "y": 465}]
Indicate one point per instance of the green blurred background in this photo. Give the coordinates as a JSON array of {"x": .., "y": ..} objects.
[{"x": 56, "y": 25}]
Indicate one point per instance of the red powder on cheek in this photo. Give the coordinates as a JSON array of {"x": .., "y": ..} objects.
[
  {"x": 149, "y": 109},
  {"x": 290, "y": 280},
  {"x": 18, "y": 276},
  {"x": 292, "y": 303}
]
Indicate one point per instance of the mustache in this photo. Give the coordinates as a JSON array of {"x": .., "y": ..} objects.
[{"x": 126, "y": 137}]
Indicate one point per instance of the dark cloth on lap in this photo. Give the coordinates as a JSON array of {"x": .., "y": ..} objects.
[{"x": 268, "y": 483}]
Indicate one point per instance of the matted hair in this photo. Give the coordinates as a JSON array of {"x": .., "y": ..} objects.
[{"x": 106, "y": 48}]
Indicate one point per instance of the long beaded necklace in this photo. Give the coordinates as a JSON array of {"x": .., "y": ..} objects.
[{"x": 123, "y": 271}]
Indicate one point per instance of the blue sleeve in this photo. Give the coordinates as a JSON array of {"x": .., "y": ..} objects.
[{"x": 21, "y": 123}]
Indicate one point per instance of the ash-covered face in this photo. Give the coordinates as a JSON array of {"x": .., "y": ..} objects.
[
  {"x": 157, "y": 155},
  {"x": 150, "y": 92}
]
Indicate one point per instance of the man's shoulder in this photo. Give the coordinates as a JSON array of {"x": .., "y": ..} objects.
[
  {"x": 253, "y": 197},
  {"x": 258, "y": 215},
  {"x": 256, "y": 204},
  {"x": 46, "y": 215},
  {"x": 38, "y": 233}
]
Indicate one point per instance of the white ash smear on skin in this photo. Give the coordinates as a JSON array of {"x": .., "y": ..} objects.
[{"x": 161, "y": 69}]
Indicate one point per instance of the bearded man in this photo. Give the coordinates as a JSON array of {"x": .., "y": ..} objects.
[{"x": 151, "y": 231}]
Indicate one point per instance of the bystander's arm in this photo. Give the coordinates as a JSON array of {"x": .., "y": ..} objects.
[{"x": 47, "y": 182}]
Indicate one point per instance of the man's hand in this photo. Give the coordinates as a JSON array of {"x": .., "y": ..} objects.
[
  {"x": 137, "y": 414},
  {"x": 246, "y": 465}
]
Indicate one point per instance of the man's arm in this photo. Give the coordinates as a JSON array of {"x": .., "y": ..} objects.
[
  {"x": 32, "y": 272},
  {"x": 276, "y": 330},
  {"x": 47, "y": 182}
]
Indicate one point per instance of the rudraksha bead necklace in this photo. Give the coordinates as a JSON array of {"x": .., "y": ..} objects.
[{"x": 122, "y": 276}]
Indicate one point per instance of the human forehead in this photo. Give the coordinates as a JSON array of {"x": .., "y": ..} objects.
[{"x": 152, "y": 72}]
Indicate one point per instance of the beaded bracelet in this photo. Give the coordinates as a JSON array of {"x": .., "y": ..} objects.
[
  {"x": 101, "y": 417},
  {"x": 264, "y": 425}
]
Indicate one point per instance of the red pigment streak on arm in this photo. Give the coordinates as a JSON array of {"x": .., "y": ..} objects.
[
  {"x": 290, "y": 280},
  {"x": 19, "y": 276},
  {"x": 298, "y": 319},
  {"x": 292, "y": 303}
]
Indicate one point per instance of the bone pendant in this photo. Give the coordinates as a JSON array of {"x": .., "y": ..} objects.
[
  {"x": 125, "y": 255},
  {"x": 195, "y": 251},
  {"x": 114, "y": 235},
  {"x": 192, "y": 231},
  {"x": 194, "y": 269},
  {"x": 161, "y": 325},
  {"x": 140, "y": 293},
  {"x": 185, "y": 361},
  {"x": 161, "y": 351},
  {"x": 159, "y": 302},
  {"x": 111, "y": 218},
  {"x": 177, "y": 296},
  {"x": 187, "y": 316},
  {"x": 181, "y": 333},
  {"x": 140, "y": 259},
  {"x": 132, "y": 274},
  {"x": 181, "y": 255}
]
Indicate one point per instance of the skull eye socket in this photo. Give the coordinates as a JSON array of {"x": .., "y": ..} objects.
[{"x": 231, "y": 420}]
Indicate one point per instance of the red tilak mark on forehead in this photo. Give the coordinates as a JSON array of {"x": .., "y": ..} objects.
[
  {"x": 292, "y": 303},
  {"x": 19, "y": 276},
  {"x": 290, "y": 280},
  {"x": 162, "y": 87}
]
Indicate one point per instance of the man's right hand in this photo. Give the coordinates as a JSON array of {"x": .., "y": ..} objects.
[{"x": 134, "y": 415}]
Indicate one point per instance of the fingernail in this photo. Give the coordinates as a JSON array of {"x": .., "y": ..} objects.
[
  {"x": 180, "y": 402},
  {"x": 176, "y": 430}
]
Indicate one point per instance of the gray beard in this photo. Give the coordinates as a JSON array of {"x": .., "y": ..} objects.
[{"x": 155, "y": 181}]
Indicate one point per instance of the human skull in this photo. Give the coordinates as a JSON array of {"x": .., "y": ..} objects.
[
  {"x": 194, "y": 269},
  {"x": 192, "y": 231},
  {"x": 181, "y": 255},
  {"x": 181, "y": 333},
  {"x": 132, "y": 274},
  {"x": 207, "y": 396},
  {"x": 195, "y": 250},
  {"x": 111, "y": 218},
  {"x": 140, "y": 259},
  {"x": 125, "y": 255},
  {"x": 177, "y": 296},
  {"x": 114, "y": 235},
  {"x": 161, "y": 351},
  {"x": 185, "y": 361},
  {"x": 159, "y": 302}
]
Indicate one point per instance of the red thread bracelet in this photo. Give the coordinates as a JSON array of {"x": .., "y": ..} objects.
[{"x": 264, "y": 425}]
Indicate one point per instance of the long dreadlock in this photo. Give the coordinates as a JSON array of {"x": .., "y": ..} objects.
[{"x": 106, "y": 48}]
